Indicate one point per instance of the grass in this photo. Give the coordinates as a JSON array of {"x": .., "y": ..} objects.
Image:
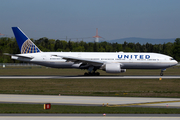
[
  {"x": 52, "y": 71},
  {"x": 93, "y": 87},
  {"x": 90, "y": 87},
  {"x": 38, "y": 108}
]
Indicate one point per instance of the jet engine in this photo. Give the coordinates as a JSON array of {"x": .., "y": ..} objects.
[{"x": 114, "y": 68}]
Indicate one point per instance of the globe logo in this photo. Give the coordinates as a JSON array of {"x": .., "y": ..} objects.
[{"x": 29, "y": 47}]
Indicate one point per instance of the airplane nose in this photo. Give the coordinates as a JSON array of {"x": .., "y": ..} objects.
[{"x": 175, "y": 62}]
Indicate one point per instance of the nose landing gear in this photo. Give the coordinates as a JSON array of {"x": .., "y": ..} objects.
[
  {"x": 161, "y": 74},
  {"x": 162, "y": 70}
]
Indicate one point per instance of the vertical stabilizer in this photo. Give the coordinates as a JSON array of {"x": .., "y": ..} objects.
[{"x": 24, "y": 43}]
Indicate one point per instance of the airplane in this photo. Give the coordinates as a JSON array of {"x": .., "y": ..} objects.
[{"x": 111, "y": 62}]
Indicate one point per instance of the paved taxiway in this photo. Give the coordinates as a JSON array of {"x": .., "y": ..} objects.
[
  {"x": 89, "y": 77},
  {"x": 91, "y": 100},
  {"x": 90, "y": 116}
]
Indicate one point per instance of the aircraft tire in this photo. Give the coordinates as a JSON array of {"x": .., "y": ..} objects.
[
  {"x": 91, "y": 74},
  {"x": 161, "y": 74},
  {"x": 97, "y": 74},
  {"x": 86, "y": 74}
]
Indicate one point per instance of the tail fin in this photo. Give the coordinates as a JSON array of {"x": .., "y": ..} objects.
[{"x": 24, "y": 43}]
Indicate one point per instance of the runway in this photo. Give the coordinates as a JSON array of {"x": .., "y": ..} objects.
[
  {"x": 92, "y": 100},
  {"x": 89, "y": 77},
  {"x": 90, "y": 116}
]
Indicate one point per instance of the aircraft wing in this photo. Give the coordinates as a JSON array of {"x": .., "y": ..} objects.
[
  {"x": 79, "y": 60},
  {"x": 18, "y": 55}
]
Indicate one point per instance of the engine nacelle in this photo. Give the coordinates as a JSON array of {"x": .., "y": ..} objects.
[{"x": 114, "y": 68}]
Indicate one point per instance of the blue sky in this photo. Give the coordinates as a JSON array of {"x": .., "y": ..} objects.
[{"x": 79, "y": 18}]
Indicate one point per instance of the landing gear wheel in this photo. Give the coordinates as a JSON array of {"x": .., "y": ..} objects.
[
  {"x": 161, "y": 74},
  {"x": 97, "y": 74},
  {"x": 162, "y": 70},
  {"x": 91, "y": 74},
  {"x": 86, "y": 74}
]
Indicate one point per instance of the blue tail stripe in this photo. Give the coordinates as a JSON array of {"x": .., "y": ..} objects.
[{"x": 20, "y": 36}]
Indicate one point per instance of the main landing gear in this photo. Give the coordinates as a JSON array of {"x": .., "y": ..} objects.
[
  {"x": 162, "y": 70},
  {"x": 92, "y": 72}
]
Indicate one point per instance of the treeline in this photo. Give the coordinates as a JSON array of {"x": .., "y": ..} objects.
[{"x": 9, "y": 45}]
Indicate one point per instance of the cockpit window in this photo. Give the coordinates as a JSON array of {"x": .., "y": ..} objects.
[{"x": 171, "y": 58}]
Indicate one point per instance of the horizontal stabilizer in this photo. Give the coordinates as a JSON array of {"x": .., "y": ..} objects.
[{"x": 19, "y": 55}]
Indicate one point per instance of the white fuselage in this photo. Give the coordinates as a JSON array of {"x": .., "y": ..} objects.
[{"x": 127, "y": 60}]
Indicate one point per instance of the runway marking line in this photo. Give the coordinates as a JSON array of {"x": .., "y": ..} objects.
[
  {"x": 122, "y": 105},
  {"x": 26, "y": 102},
  {"x": 94, "y": 117},
  {"x": 89, "y": 77}
]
